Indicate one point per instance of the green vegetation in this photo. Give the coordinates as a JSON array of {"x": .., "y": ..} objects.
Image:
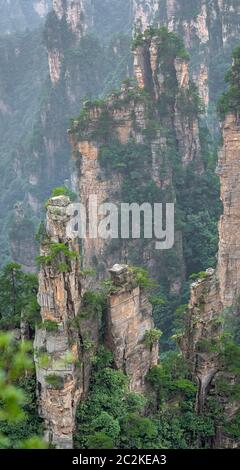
[
  {"x": 18, "y": 297},
  {"x": 59, "y": 256},
  {"x": 95, "y": 64},
  {"x": 113, "y": 417},
  {"x": 141, "y": 277},
  {"x": 63, "y": 191},
  {"x": 133, "y": 162},
  {"x": 189, "y": 102},
  {"x": 198, "y": 276},
  {"x": 233, "y": 427},
  {"x": 22, "y": 76},
  {"x": 103, "y": 127},
  {"x": 49, "y": 325},
  {"x": 55, "y": 381},
  {"x": 171, "y": 45},
  {"x": 230, "y": 100},
  {"x": 199, "y": 209},
  {"x": 94, "y": 303},
  {"x": 100, "y": 440},
  {"x": 20, "y": 425},
  {"x": 194, "y": 191},
  {"x": 152, "y": 337}
]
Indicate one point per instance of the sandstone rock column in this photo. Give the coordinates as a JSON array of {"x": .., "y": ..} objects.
[
  {"x": 229, "y": 227},
  {"x": 129, "y": 317},
  {"x": 62, "y": 363},
  {"x": 150, "y": 75}
]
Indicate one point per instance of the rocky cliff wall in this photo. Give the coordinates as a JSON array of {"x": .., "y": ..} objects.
[
  {"x": 149, "y": 72},
  {"x": 153, "y": 119},
  {"x": 215, "y": 299},
  {"x": 70, "y": 21},
  {"x": 210, "y": 31},
  {"x": 129, "y": 318},
  {"x": 229, "y": 245},
  {"x": 63, "y": 361},
  {"x": 68, "y": 336}
]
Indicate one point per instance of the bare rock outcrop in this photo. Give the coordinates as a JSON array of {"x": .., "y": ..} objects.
[
  {"x": 62, "y": 360},
  {"x": 229, "y": 245},
  {"x": 129, "y": 317}
]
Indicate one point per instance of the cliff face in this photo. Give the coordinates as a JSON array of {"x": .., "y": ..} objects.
[
  {"x": 129, "y": 317},
  {"x": 63, "y": 361},
  {"x": 74, "y": 17},
  {"x": 150, "y": 76},
  {"x": 203, "y": 326},
  {"x": 68, "y": 336},
  {"x": 75, "y": 13},
  {"x": 210, "y": 31},
  {"x": 215, "y": 299},
  {"x": 229, "y": 245},
  {"x": 144, "y": 13},
  {"x": 72, "y": 20},
  {"x": 161, "y": 125},
  {"x": 22, "y": 240}
]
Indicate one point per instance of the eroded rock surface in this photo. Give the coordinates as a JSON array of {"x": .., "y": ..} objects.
[
  {"x": 63, "y": 363},
  {"x": 216, "y": 297},
  {"x": 129, "y": 317}
]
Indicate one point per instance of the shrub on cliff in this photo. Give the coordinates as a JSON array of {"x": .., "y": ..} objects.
[
  {"x": 64, "y": 191},
  {"x": 230, "y": 100}
]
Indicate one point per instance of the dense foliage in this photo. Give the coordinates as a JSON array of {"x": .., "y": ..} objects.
[
  {"x": 113, "y": 417},
  {"x": 230, "y": 100},
  {"x": 18, "y": 300},
  {"x": 20, "y": 426}
]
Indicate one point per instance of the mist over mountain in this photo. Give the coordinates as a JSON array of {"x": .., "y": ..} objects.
[
  {"x": 133, "y": 102},
  {"x": 18, "y": 15}
]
